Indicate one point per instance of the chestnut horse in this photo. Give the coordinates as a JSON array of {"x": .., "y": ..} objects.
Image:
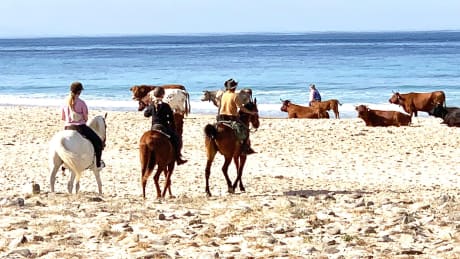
[
  {"x": 221, "y": 138},
  {"x": 155, "y": 148}
]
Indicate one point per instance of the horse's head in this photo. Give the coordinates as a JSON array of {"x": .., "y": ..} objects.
[
  {"x": 252, "y": 118},
  {"x": 99, "y": 126}
]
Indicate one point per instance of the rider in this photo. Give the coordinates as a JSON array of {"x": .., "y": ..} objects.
[
  {"x": 162, "y": 114},
  {"x": 230, "y": 105},
  {"x": 75, "y": 115}
]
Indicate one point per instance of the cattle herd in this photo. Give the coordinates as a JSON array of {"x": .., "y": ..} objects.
[{"x": 434, "y": 103}]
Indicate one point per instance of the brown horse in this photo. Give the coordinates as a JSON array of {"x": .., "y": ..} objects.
[
  {"x": 156, "y": 149},
  {"x": 221, "y": 138}
]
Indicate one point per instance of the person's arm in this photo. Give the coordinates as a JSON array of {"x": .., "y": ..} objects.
[
  {"x": 312, "y": 94},
  {"x": 63, "y": 113},
  {"x": 84, "y": 112},
  {"x": 148, "y": 111}
]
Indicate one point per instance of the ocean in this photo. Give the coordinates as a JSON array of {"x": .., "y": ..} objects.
[{"x": 355, "y": 68}]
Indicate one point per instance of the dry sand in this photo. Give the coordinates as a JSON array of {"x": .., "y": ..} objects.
[{"x": 315, "y": 189}]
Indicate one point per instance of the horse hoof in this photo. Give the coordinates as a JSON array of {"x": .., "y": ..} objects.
[{"x": 231, "y": 190}]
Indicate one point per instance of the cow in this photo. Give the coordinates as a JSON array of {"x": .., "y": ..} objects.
[
  {"x": 244, "y": 94},
  {"x": 413, "y": 102},
  {"x": 140, "y": 91},
  {"x": 374, "y": 118},
  {"x": 178, "y": 99},
  {"x": 449, "y": 115},
  {"x": 173, "y": 93},
  {"x": 298, "y": 111},
  {"x": 332, "y": 104}
]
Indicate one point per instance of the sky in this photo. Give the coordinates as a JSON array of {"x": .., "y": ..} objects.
[{"x": 50, "y": 18}]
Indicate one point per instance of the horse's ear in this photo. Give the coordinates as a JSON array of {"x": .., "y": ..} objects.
[
  {"x": 105, "y": 116},
  {"x": 282, "y": 100}
]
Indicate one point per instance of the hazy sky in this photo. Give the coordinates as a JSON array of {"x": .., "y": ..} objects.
[{"x": 25, "y": 18}]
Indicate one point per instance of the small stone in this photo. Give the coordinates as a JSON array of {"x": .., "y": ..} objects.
[
  {"x": 35, "y": 188},
  {"x": 161, "y": 216}
]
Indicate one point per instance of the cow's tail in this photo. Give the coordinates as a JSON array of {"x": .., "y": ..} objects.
[
  {"x": 188, "y": 107},
  {"x": 210, "y": 131}
]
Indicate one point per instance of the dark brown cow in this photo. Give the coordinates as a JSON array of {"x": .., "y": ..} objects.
[
  {"x": 332, "y": 104},
  {"x": 375, "y": 118},
  {"x": 298, "y": 111},
  {"x": 449, "y": 115},
  {"x": 413, "y": 102}
]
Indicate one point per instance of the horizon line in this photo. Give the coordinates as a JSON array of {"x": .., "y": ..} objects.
[{"x": 108, "y": 35}]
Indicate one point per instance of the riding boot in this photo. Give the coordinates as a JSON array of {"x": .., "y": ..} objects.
[
  {"x": 246, "y": 148},
  {"x": 179, "y": 159}
]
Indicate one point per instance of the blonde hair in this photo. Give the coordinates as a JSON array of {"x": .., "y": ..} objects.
[{"x": 71, "y": 100}]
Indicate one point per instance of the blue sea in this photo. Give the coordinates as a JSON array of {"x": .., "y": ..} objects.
[{"x": 355, "y": 68}]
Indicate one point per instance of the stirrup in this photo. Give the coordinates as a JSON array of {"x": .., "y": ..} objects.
[{"x": 102, "y": 165}]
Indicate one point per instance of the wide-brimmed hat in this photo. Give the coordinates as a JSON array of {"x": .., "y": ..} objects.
[
  {"x": 230, "y": 84},
  {"x": 312, "y": 86}
]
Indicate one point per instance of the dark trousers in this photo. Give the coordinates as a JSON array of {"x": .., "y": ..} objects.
[{"x": 89, "y": 134}]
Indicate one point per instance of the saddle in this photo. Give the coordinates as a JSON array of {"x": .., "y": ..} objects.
[
  {"x": 240, "y": 130},
  {"x": 160, "y": 129}
]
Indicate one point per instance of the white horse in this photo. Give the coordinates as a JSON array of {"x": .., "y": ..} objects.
[{"x": 70, "y": 148}]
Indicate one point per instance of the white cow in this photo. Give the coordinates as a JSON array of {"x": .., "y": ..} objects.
[
  {"x": 245, "y": 95},
  {"x": 178, "y": 99}
]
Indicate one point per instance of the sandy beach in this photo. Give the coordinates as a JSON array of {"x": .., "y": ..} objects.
[{"x": 315, "y": 189}]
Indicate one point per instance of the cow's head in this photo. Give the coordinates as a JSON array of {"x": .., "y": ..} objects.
[
  {"x": 284, "y": 107},
  {"x": 396, "y": 98},
  {"x": 139, "y": 91},
  {"x": 206, "y": 96},
  {"x": 362, "y": 111}
]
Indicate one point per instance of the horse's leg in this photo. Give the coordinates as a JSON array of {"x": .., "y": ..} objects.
[
  {"x": 70, "y": 182},
  {"x": 56, "y": 163},
  {"x": 168, "y": 177},
  {"x": 211, "y": 151},
  {"x": 228, "y": 160},
  {"x": 242, "y": 160},
  {"x": 97, "y": 174},
  {"x": 169, "y": 171},
  {"x": 77, "y": 179},
  {"x": 156, "y": 178},
  {"x": 147, "y": 165}
]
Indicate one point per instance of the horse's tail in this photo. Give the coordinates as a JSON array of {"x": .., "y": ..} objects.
[
  {"x": 210, "y": 131},
  {"x": 69, "y": 158}
]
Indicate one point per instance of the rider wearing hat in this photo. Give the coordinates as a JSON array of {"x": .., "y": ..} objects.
[
  {"x": 230, "y": 105},
  {"x": 162, "y": 114},
  {"x": 75, "y": 115}
]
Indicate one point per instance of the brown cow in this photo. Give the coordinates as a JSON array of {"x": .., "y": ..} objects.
[
  {"x": 375, "y": 118},
  {"x": 140, "y": 91},
  {"x": 332, "y": 104},
  {"x": 298, "y": 111},
  {"x": 413, "y": 102}
]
